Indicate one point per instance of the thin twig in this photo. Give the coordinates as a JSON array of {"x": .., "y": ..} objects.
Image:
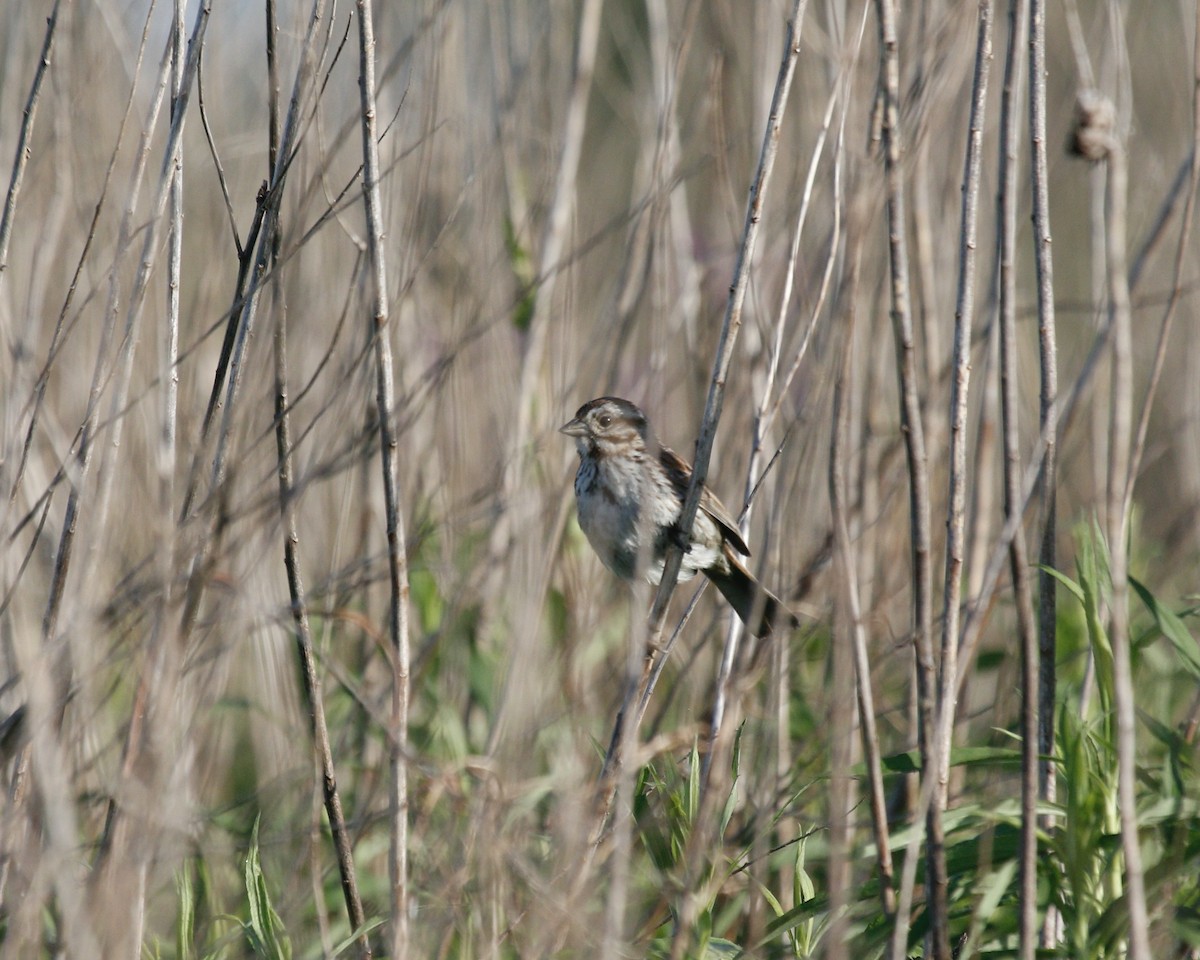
[
  {"x": 304, "y": 645},
  {"x": 919, "y": 511},
  {"x": 101, "y": 372},
  {"x": 964, "y": 317},
  {"x": 1122, "y": 410},
  {"x": 122, "y": 848},
  {"x": 385, "y": 402},
  {"x": 849, "y": 580},
  {"x": 733, "y": 319},
  {"x": 291, "y": 549},
  {"x": 1047, "y": 620},
  {"x": 21, "y": 155},
  {"x": 216, "y": 159},
  {"x": 246, "y": 307},
  {"x": 1181, "y": 262},
  {"x": 712, "y": 408},
  {"x": 1013, "y": 504}
]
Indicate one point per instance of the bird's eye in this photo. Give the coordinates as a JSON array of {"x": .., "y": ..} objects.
[{"x": 604, "y": 420}]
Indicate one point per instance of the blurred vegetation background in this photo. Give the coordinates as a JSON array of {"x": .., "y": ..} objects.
[{"x": 522, "y": 285}]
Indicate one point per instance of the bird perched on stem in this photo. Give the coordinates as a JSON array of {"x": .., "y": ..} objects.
[{"x": 630, "y": 490}]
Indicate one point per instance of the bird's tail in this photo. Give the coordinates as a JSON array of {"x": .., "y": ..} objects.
[{"x": 761, "y": 611}]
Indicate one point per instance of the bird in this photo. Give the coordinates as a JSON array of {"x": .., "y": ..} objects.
[{"x": 629, "y": 492}]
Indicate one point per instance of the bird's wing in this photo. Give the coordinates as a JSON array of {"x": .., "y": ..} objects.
[{"x": 680, "y": 473}]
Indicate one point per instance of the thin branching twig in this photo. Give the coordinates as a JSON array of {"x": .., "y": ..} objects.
[
  {"x": 312, "y": 686},
  {"x": 243, "y": 316},
  {"x": 126, "y": 841},
  {"x": 712, "y": 409},
  {"x": 733, "y": 317}
]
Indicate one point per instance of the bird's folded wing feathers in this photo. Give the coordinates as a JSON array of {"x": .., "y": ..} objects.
[{"x": 681, "y": 475}]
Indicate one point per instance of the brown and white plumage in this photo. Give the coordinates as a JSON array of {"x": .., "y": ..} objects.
[{"x": 629, "y": 490}]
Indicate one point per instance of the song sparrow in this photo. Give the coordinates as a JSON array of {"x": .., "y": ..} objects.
[{"x": 630, "y": 489}]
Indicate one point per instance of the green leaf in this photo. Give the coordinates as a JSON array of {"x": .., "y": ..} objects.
[
  {"x": 1171, "y": 627},
  {"x": 185, "y": 932},
  {"x": 352, "y": 938},
  {"x": 910, "y": 760},
  {"x": 423, "y": 589},
  {"x": 1071, "y": 585},
  {"x": 735, "y": 766},
  {"x": 693, "y": 784},
  {"x": 992, "y": 888},
  {"x": 522, "y": 268},
  {"x": 265, "y": 930}
]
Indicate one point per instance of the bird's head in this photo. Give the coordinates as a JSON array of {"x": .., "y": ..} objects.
[{"x": 606, "y": 426}]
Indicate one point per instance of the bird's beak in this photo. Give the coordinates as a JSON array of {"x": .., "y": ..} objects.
[{"x": 574, "y": 428}]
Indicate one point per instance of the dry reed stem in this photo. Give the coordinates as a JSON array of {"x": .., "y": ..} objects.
[
  {"x": 1018, "y": 560},
  {"x": 100, "y": 376},
  {"x": 303, "y": 88},
  {"x": 123, "y": 847},
  {"x": 1121, "y": 413},
  {"x": 311, "y": 685},
  {"x": 550, "y": 262},
  {"x": 385, "y": 400},
  {"x": 180, "y": 97},
  {"x": 964, "y": 317},
  {"x": 681, "y": 939},
  {"x": 1192, "y": 166},
  {"x": 732, "y": 319},
  {"x": 1013, "y": 502},
  {"x": 852, "y": 601},
  {"x": 1047, "y": 618},
  {"x": 22, "y": 152},
  {"x": 919, "y": 501},
  {"x": 645, "y": 216}
]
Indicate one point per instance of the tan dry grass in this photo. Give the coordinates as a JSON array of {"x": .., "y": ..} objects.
[{"x": 523, "y": 660}]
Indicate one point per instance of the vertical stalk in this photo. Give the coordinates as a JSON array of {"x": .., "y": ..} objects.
[
  {"x": 1118, "y": 528},
  {"x": 246, "y": 306},
  {"x": 1192, "y": 168},
  {"x": 397, "y": 560},
  {"x": 126, "y": 842},
  {"x": 964, "y": 316},
  {"x": 730, "y": 326},
  {"x": 550, "y": 258},
  {"x": 733, "y": 313},
  {"x": 1097, "y": 138},
  {"x": 1013, "y": 499},
  {"x": 1048, "y": 420},
  {"x": 170, "y": 376},
  {"x": 21, "y": 154},
  {"x": 853, "y": 605},
  {"x": 914, "y": 441},
  {"x": 313, "y": 696}
]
